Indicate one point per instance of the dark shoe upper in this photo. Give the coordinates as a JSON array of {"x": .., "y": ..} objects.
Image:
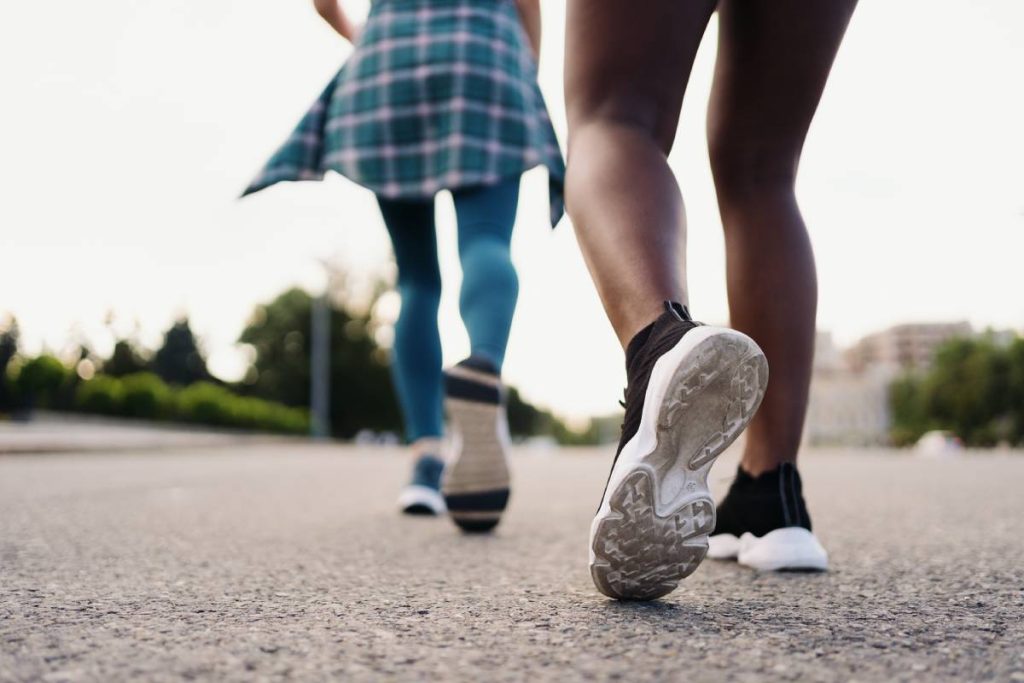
[
  {"x": 474, "y": 379},
  {"x": 427, "y": 472},
  {"x": 480, "y": 363},
  {"x": 644, "y": 350},
  {"x": 772, "y": 500}
]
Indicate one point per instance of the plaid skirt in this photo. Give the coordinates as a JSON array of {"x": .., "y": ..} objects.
[{"x": 438, "y": 94}]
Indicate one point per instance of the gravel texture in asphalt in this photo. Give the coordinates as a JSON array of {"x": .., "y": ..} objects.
[{"x": 275, "y": 563}]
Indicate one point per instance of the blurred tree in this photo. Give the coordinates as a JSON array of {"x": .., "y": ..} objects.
[
  {"x": 361, "y": 393},
  {"x": 39, "y": 379},
  {"x": 179, "y": 360},
  {"x": 975, "y": 388},
  {"x": 8, "y": 349},
  {"x": 125, "y": 360},
  {"x": 63, "y": 398},
  {"x": 966, "y": 390},
  {"x": 524, "y": 419},
  {"x": 1015, "y": 388},
  {"x": 909, "y": 415}
]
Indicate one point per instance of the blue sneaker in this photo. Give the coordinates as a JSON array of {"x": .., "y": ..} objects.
[{"x": 422, "y": 496}]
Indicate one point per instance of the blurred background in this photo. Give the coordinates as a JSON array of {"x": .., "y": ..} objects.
[{"x": 134, "y": 285}]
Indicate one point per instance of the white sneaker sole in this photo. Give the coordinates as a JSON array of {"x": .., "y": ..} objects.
[
  {"x": 419, "y": 500},
  {"x": 723, "y": 547},
  {"x": 476, "y": 481},
  {"x": 788, "y": 549},
  {"x": 652, "y": 528}
]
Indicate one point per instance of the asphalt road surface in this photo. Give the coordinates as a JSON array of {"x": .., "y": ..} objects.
[{"x": 289, "y": 562}]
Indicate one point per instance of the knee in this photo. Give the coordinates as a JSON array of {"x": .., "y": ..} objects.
[
  {"x": 637, "y": 117},
  {"x": 745, "y": 168}
]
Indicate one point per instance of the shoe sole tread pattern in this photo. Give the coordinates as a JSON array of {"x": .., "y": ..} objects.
[
  {"x": 654, "y": 532},
  {"x": 476, "y": 483}
]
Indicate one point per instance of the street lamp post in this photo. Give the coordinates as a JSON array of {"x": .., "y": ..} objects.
[{"x": 320, "y": 367}]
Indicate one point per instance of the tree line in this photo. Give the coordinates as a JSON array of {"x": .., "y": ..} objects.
[
  {"x": 174, "y": 383},
  {"x": 171, "y": 384},
  {"x": 974, "y": 388}
]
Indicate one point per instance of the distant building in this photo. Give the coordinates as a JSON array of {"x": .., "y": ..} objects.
[
  {"x": 849, "y": 400},
  {"x": 903, "y": 348},
  {"x": 846, "y": 408}
]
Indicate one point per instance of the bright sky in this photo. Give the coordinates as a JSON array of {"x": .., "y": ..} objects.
[{"x": 129, "y": 127}]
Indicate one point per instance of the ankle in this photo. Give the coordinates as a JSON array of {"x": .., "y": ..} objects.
[
  {"x": 629, "y": 323},
  {"x": 428, "y": 445},
  {"x": 671, "y": 313},
  {"x": 755, "y": 465}
]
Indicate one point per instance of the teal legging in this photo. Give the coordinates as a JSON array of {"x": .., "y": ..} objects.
[{"x": 487, "y": 301}]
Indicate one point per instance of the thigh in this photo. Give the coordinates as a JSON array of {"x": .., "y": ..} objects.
[
  {"x": 488, "y": 211},
  {"x": 630, "y": 61},
  {"x": 413, "y": 233},
  {"x": 774, "y": 58}
]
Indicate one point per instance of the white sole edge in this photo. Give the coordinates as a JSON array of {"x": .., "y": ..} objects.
[
  {"x": 723, "y": 547},
  {"x": 788, "y": 549},
  {"x": 414, "y": 494},
  {"x": 652, "y": 528}
]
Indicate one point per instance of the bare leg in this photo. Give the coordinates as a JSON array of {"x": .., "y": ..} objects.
[
  {"x": 774, "y": 58},
  {"x": 627, "y": 66}
]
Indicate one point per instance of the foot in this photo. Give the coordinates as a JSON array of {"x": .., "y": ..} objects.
[
  {"x": 763, "y": 523},
  {"x": 691, "y": 390},
  {"x": 476, "y": 482},
  {"x": 422, "y": 496}
]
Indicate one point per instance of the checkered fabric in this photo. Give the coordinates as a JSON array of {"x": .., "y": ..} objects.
[{"x": 438, "y": 94}]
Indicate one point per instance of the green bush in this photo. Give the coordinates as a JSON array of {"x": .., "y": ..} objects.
[
  {"x": 910, "y": 417},
  {"x": 8, "y": 392},
  {"x": 206, "y": 403},
  {"x": 39, "y": 378},
  {"x": 254, "y": 413},
  {"x": 1015, "y": 380},
  {"x": 146, "y": 396},
  {"x": 101, "y": 394}
]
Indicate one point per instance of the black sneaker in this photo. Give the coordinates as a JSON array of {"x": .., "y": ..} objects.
[
  {"x": 476, "y": 481},
  {"x": 763, "y": 523},
  {"x": 422, "y": 495},
  {"x": 691, "y": 390}
]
